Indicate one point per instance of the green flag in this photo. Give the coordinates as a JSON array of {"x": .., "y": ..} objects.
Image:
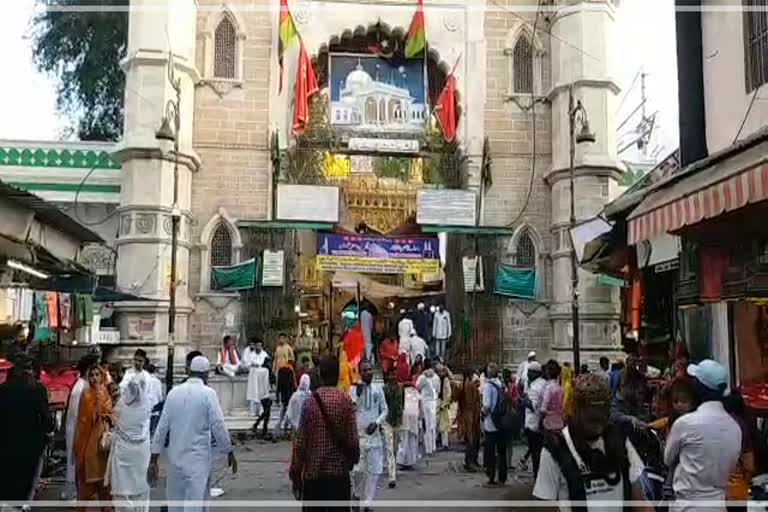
[
  {"x": 236, "y": 277},
  {"x": 416, "y": 39}
]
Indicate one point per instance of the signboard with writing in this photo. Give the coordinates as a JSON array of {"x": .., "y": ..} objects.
[
  {"x": 272, "y": 268},
  {"x": 311, "y": 203},
  {"x": 473, "y": 282},
  {"x": 377, "y": 255},
  {"x": 384, "y": 145},
  {"x": 446, "y": 207}
]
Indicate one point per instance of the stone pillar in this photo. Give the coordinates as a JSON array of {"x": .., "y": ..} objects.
[
  {"x": 156, "y": 29},
  {"x": 585, "y": 60}
]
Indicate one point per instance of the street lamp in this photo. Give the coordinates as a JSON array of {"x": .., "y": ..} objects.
[
  {"x": 169, "y": 132},
  {"x": 577, "y": 114}
]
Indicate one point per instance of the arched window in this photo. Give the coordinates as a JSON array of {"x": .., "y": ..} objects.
[
  {"x": 225, "y": 49},
  {"x": 525, "y": 252},
  {"x": 221, "y": 247},
  {"x": 522, "y": 66}
]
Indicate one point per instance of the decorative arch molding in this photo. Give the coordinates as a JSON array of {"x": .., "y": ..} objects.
[
  {"x": 518, "y": 29},
  {"x": 516, "y": 32},
  {"x": 518, "y": 233},
  {"x": 509, "y": 255},
  {"x": 223, "y": 85},
  {"x": 221, "y": 218},
  {"x": 360, "y": 40}
]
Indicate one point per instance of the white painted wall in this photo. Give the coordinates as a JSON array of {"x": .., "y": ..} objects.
[{"x": 725, "y": 94}]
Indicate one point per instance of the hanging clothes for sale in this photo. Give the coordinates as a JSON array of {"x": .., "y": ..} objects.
[
  {"x": 26, "y": 302},
  {"x": 65, "y": 310},
  {"x": 83, "y": 310},
  {"x": 42, "y": 329},
  {"x": 52, "y": 301},
  {"x": 6, "y": 307},
  {"x": 14, "y": 302},
  {"x": 636, "y": 303},
  {"x": 713, "y": 262}
]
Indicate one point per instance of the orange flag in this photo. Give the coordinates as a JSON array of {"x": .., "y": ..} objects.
[
  {"x": 306, "y": 86},
  {"x": 445, "y": 109}
]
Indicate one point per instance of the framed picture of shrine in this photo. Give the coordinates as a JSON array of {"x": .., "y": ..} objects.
[{"x": 371, "y": 94}]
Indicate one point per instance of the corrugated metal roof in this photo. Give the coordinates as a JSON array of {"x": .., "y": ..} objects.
[{"x": 49, "y": 213}]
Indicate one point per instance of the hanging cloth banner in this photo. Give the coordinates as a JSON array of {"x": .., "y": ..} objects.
[
  {"x": 236, "y": 277},
  {"x": 515, "y": 282},
  {"x": 473, "y": 282}
]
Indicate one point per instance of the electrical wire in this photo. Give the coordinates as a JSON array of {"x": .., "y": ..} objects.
[
  {"x": 77, "y": 196},
  {"x": 533, "y": 127},
  {"x": 746, "y": 115},
  {"x": 133, "y": 289},
  {"x": 629, "y": 90},
  {"x": 538, "y": 11}
]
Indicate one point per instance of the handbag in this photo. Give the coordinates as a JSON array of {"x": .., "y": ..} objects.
[
  {"x": 105, "y": 441},
  {"x": 338, "y": 441}
]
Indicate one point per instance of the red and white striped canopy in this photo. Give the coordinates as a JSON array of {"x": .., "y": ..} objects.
[{"x": 697, "y": 198}]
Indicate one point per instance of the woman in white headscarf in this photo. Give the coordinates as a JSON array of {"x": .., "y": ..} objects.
[
  {"x": 129, "y": 456},
  {"x": 297, "y": 402}
]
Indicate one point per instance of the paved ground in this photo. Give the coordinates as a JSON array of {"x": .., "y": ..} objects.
[{"x": 263, "y": 477}]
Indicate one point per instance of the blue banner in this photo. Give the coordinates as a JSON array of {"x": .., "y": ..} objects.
[{"x": 375, "y": 254}]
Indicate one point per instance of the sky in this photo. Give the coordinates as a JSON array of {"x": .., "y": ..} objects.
[
  {"x": 27, "y": 98},
  {"x": 645, "y": 38}
]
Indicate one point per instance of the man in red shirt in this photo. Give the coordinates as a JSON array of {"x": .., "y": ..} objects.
[{"x": 326, "y": 445}]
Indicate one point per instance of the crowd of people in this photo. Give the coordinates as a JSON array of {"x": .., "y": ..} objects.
[
  {"x": 623, "y": 432},
  {"x": 116, "y": 425}
]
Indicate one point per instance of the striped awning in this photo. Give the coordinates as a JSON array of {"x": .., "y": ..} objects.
[{"x": 696, "y": 198}]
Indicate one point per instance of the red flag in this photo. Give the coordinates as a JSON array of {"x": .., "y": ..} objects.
[
  {"x": 306, "y": 86},
  {"x": 445, "y": 109}
]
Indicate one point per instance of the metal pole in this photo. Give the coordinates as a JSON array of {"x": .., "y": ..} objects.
[
  {"x": 175, "y": 218},
  {"x": 574, "y": 264}
]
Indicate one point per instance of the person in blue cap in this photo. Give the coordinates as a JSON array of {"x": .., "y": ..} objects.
[{"x": 703, "y": 445}]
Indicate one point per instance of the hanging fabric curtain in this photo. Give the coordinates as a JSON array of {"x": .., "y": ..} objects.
[
  {"x": 235, "y": 277},
  {"x": 515, "y": 282}
]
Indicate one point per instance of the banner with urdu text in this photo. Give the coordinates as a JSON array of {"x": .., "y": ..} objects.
[{"x": 377, "y": 255}]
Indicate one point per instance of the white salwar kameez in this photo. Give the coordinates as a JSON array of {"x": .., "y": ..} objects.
[
  {"x": 296, "y": 403},
  {"x": 428, "y": 384},
  {"x": 70, "y": 490},
  {"x": 191, "y": 416},
  {"x": 370, "y": 407},
  {"x": 408, "y": 449},
  {"x": 258, "y": 378},
  {"x": 129, "y": 456}
]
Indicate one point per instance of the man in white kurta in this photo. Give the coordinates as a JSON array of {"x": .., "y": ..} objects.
[
  {"x": 191, "y": 418},
  {"x": 428, "y": 385},
  {"x": 417, "y": 347},
  {"x": 404, "y": 326},
  {"x": 408, "y": 448},
  {"x": 371, "y": 412},
  {"x": 255, "y": 360},
  {"x": 227, "y": 358},
  {"x": 138, "y": 368},
  {"x": 74, "y": 404}
]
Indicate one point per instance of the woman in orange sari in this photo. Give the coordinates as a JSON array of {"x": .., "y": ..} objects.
[{"x": 94, "y": 416}]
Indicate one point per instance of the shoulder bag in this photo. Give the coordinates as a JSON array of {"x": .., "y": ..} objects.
[{"x": 338, "y": 440}]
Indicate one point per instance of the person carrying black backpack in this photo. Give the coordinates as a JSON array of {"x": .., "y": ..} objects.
[
  {"x": 495, "y": 445},
  {"x": 590, "y": 459}
]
